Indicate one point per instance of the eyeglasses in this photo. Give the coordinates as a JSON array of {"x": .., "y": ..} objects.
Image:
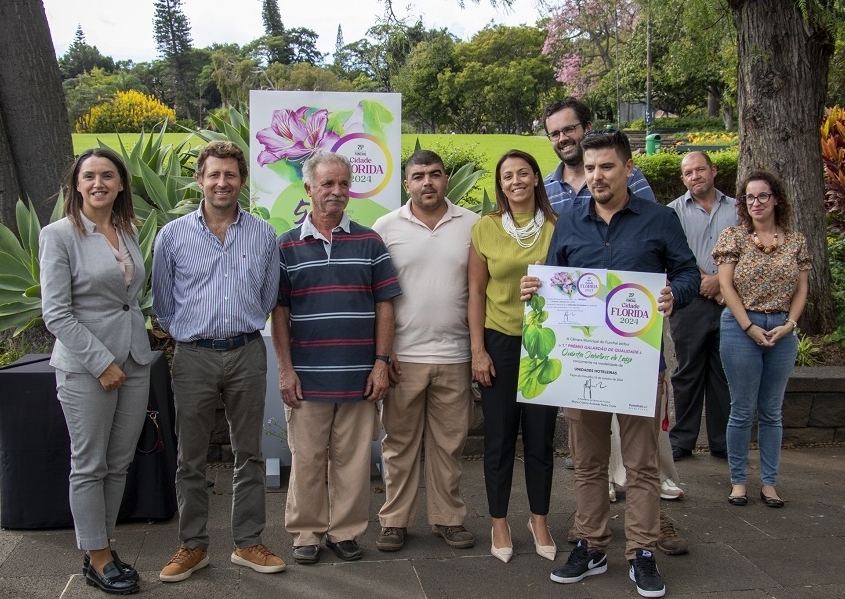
[
  {"x": 566, "y": 131},
  {"x": 762, "y": 198}
]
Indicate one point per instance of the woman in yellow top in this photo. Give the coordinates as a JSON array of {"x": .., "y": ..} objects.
[{"x": 504, "y": 243}]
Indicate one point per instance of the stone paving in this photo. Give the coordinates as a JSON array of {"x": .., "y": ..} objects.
[{"x": 749, "y": 552}]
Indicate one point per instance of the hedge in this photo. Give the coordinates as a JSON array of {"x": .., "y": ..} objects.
[{"x": 663, "y": 171}]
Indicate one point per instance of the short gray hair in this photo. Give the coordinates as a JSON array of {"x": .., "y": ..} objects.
[{"x": 309, "y": 169}]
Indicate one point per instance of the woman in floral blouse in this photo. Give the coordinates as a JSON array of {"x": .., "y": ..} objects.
[{"x": 763, "y": 270}]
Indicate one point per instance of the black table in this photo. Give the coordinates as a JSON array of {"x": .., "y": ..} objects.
[{"x": 35, "y": 450}]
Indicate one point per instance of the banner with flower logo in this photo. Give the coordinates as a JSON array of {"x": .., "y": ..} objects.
[
  {"x": 591, "y": 339},
  {"x": 289, "y": 126}
]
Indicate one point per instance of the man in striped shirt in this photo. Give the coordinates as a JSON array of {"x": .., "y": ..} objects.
[
  {"x": 214, "y": 283},
  {"x": 333, "y": 336}
]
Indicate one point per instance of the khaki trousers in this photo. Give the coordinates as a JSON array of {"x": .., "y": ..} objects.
[
  {"x": 589, "y": 435},
  {"x": 344, "y": 433},
  {"x": 432, "y": 401}
]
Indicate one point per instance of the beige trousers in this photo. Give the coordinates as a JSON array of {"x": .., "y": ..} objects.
[
  {"x": 431, "y": 401},
  {"x": 339, "y": 509}
]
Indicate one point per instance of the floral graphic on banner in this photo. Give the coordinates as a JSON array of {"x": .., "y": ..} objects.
[
  {"x": 293, "y": 126},
  {"x": 565, "y": 282}
]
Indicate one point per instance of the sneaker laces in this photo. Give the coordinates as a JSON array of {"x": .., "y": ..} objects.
[
  {"x": 448, "y": 530},
  {"x": 389, "y": 531},
  {"x": 183, "y": 555},
  {"x": 667, "y": 528},
  {"x": 261, "y": 550},
  {"x": 578, "y": 554},
  {"x": 647, "y": 566}
]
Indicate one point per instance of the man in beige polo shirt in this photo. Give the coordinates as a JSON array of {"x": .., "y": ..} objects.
[{"x": 428, "y": 240}]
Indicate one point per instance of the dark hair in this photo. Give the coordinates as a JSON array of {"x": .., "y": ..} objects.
[
  {"x": 122, "y": 209},
  {"x": 541, "y": 199},
  {"x": 702, "y": 153},
  {"x": 222, "y": 150},
  {"x": 783, "y": 210},
  {"x": 424, "y": 158},
  {"x": 582, "y": 111},
  {"x": 596, "y": 139}
]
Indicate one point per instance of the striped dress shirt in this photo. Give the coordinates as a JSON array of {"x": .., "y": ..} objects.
[{"x": 207, "y": 289}]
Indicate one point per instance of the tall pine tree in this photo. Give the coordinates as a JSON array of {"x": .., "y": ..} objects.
[
  {"x": 272, "y": 18},
  {"x": 172, "y": 32}
]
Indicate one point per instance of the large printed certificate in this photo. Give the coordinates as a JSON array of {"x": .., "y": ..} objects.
[{"x": 591, "y": 339}]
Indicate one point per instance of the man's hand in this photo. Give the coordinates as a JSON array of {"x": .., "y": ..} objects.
[
  {"x": 377, "y": 382},
  {"x": 528, "y": 286},
  {"x": 709, "y": 286},
  {"x": 112, "y": 377},
  {"x": 290, "y": 388},
  {"x": 666, "y": 301}
]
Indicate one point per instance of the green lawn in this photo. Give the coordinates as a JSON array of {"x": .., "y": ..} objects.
[{"x": 491, "y": 147}]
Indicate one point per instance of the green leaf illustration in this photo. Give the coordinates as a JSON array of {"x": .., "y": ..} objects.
[{"x": 549, "y": 371}]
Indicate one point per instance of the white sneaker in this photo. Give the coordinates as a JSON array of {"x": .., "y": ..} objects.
[
  {"x": 611, "y": 491},
  {"x": 669, "y": 490}
]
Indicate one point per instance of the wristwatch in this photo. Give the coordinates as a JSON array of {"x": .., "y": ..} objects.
[{"x": 385, "y": 359}]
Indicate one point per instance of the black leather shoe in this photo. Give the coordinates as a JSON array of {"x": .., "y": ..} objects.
[
  {"x": 306, "y": 554},
  {"x": 128, "y": 571},
  {"x": 771, "y": 501},
  {"x": 348, "y": 550},
  {"x": 738, "y": 500},
  {"x": 679, "y": 453},
  {"x": 722, "y": 454},
  {"x": 111, "y": 581}
]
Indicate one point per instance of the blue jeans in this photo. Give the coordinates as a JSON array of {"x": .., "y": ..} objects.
[{"x": 757, "y": 378}]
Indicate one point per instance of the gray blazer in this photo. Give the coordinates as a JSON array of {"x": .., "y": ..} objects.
[{"x": 85, "y": 302}]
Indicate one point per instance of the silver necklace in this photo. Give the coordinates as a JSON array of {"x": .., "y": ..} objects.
[{"x": 532, "y": 229}]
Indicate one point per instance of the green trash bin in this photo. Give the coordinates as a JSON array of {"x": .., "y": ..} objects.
[{"x": 652, "y": 143}]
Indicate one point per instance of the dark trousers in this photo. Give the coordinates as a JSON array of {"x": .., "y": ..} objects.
[
  {"x": 503, "y": 416},
  {"x": 699, "y": 377}
]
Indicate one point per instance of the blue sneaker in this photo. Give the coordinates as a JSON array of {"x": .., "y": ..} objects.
[{"x": 644, "y": 572}]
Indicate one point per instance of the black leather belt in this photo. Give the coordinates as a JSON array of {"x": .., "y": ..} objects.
[{"x": 227, "y": 344}]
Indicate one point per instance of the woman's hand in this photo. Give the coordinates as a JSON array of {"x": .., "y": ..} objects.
[
  {"x": 778, "y": 333},
  {"x": 760, "y": 336},
  {"x": 483, "y": 370},
  {"x": 112, "y": 377}
]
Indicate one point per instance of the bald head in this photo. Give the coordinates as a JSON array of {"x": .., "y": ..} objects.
[{"x": 698, "y": 174}]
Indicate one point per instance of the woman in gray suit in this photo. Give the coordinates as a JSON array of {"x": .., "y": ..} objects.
[{"x": 91, "y": 273}]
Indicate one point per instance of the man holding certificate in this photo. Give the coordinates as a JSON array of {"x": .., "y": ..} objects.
[{"x": 620, "y": 231}]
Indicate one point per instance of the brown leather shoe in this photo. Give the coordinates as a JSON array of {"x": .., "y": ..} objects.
[
  {"x": 183, "y": 564},
  {"x": 259, "y": 558},
  {"x": 670, "y": 542}
]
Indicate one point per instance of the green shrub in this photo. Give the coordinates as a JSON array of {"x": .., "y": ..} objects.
[
  {"x": 454, "y": 156},
  {"x": 663, "y": 172}
]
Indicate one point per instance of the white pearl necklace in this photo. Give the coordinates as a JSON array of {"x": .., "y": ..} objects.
[{"x": 532, "y": 229}]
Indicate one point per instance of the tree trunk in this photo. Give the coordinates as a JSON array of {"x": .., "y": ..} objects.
[
  {"x": 782, "y": 79},
  {"x": 35, "y": 144},
  {"x": 712, "y": 102}
]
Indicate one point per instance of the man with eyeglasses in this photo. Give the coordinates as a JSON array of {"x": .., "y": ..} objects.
[
  {"x": 566, "y": 122},
  {"x": 698, "y": 379}
]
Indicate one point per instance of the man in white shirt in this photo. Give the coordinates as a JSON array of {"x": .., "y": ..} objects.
[{"x": 428, "y": 239}]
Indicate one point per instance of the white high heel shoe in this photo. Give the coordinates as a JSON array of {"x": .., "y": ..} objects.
[
  {"x": 503, "y": 553},
  {"x": 546, "y": 551}
]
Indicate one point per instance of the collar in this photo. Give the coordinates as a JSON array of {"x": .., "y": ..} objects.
[
  {"x": 309, "y": 230},
  {"x": 634, "y": 204},
  {"x": 452, "y": 211},
  {"x": 720, "y": 198},
  {"x": 201, "y": 216}
]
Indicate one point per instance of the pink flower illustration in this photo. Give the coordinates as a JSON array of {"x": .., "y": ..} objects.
[{"x": 295, "y": 135}]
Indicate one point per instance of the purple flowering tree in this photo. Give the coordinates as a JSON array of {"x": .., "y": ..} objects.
[{"x": 581, "y": 39}]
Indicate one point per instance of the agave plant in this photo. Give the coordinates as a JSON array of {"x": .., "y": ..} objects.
[{"x": 20, "y": 284}]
